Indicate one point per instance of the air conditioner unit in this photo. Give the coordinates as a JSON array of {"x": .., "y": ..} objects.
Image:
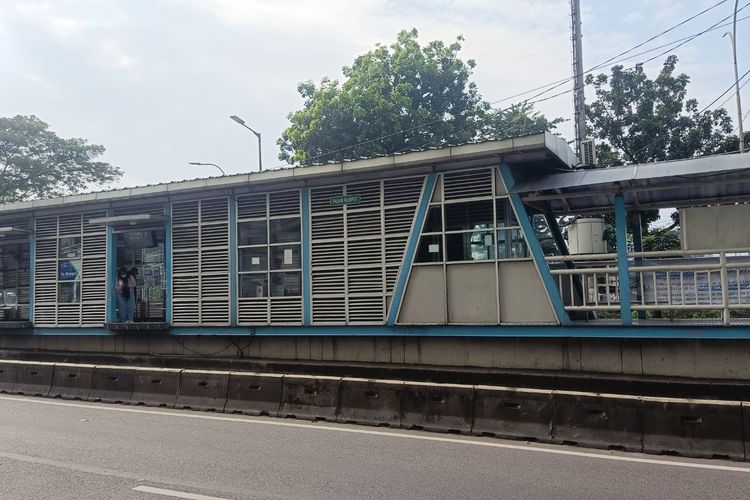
[{"x": 588, "y": 153}]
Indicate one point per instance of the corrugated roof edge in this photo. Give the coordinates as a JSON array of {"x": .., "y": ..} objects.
[{"x": 554, "y": 144}]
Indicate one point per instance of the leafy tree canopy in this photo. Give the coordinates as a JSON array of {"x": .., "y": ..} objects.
[
  {"x": 395, "y": 98},
  {"x": 36, "y": 163}
]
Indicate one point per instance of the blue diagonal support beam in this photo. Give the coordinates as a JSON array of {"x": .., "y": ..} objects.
[
  {"x": 536, "y": 249},
  {"x": 411, "y": 249},
  {"x": 621, "y": 233}
]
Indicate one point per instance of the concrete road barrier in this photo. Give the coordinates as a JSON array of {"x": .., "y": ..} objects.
[
  {"x": 202, "y": 390},
  {"x": 746, "y": 433},
  {"x": 155, "y": 387},
  {"x": 254, "y": 393},
  {"x": 693, "y": 428},
  {"x": 71, "y": 381},
  {"x": 437, "y": 407},
  {"x": 8, "y": 370},
  {"x": 112, "y": 384},
  {"x": 608, "y": 421},
  {"x": 32, "y": 378},
  {"x": 370, "y": 401},
  {"x": 309, "y": 397},
  {"x": 513, "y": 413}
]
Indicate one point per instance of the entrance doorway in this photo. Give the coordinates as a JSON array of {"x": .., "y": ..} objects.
[{"x": 143, "y": 249}]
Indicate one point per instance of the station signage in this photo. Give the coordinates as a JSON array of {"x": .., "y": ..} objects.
[{"x": 347, "y": 199}]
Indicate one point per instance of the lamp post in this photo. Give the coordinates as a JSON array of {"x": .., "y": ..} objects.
[
  {"x": 257, "y": 134},
  {"x": 208, "y": 164},
  {"x": 733, "y": 38}
]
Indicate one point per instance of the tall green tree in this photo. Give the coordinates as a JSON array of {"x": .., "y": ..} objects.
[
  {"x": 37, "y": 163},
  {"x": 396, "y": 98}
]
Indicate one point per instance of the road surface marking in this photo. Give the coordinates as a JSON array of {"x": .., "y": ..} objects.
[
  {"x": 334, "y": 428},
  {"x": 174, "y": 494}
]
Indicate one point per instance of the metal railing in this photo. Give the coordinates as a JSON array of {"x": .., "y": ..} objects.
[{"x": 677, "y": 280}]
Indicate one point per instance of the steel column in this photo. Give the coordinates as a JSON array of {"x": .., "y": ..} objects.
[{"x": 621, "y": 233}]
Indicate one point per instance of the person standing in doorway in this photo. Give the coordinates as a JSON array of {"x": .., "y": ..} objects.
[
  {"x": 132, "y": 286},
  {"x": 122, "y": 291}
]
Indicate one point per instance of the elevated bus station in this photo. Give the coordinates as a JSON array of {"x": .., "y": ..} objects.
[{"x": 450, "y": 256}]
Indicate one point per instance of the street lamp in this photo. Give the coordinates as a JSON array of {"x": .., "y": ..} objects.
[
  {"x": 733, "y": 38},
  {"x": 208, "y": 164},
  {"x": 257, "y": 134}
]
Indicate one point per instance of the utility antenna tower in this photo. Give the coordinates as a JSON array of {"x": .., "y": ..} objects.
[{"x": 579, "y": 101}]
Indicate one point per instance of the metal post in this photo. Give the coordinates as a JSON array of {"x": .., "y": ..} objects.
[
  {"x": 621, "y": 233},
  {"x": 579, "y": 100},
  {"x": 638, "y": 247},
  {"x": 724, "y": 289},
  {"x": 260, "y": 155},
  {"x": 733, "y": 37}
]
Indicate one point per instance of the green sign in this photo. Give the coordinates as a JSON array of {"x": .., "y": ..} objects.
[{"x": 349, "y": 199}]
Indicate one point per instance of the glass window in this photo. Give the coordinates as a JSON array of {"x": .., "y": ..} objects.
[
  {"x": 286, "y": 284},
  {"x": 430, "y": 249},
  {"x": 505, "y": 215},
  {"x": 478, "y": 245},
  {"x": 285, "y": 257},
  {"x": 544, "y": 235},
  {"x": 253, "y": 233},
  {"x": 434, "y": 222},
  {"x": 254, "y": 285},
  {"x": 253, "y": 259},
  {"x": 285, "y": 230},
  {"x": 70, "y": 248},
  {"x": 470, "y": 215},
  {"x": 69, "y": 293},
  {"x": 511, "y": 244}
]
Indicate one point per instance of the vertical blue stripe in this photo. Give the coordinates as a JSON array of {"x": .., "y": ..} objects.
[
  {"x": 32, "y": 267},
  {"x": 168, "y": 263},
  {"x": 233, "y": 260},
  {"x": 621, "y": 232},
  {"x": 111, "y": 302},
  {"x": 536, "y": 249},
  {"x": 306, "y": 258},
  {"x": 411, "y": 249}
]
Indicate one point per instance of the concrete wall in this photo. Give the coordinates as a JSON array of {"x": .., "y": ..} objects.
[
  {"x": 719, "y": 359},
  {"x": 523, "y": 298}
]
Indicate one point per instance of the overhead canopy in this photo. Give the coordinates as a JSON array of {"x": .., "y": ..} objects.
[
  {"x": 698, "y": 181},
  {"x": 12, "y": 232},
  {"x": 129, "y": 220}
]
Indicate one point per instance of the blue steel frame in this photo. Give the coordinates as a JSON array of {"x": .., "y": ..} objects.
[
  {"x": 621, "y": 233},
  {"x": 411, "y": 249},
  {"x": 536, "y": 249},
  {"x": 306, "y": 258},
  {"x": 111, "y": 301}
]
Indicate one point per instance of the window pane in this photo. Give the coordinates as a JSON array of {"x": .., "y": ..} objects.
[
  {"x": 286, "y": 284},
  {"x": 544, "y": 235},
  {"x": 69, "y": 270},
  {"x": 70, "y": 248},
  {"x": 505, "y": 215},
  {"x": 285, "y": 257},
  {"x": 430, "y": 249},
  {"x": 253, "y": 233},
  {"x": 478, "y": 245},
  {"x": 511, "y": 245},
  {"x": 285, "y": 230},
  {"x": 434, "y": 222},
  {"x": 254, "y": 285},
  {"x": 471, "y": 215},
  {"x": 254, "y": 259},
  {"x": 68, "y": 293}
]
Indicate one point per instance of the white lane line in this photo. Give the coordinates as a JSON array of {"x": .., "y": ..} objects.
[
  {"x": 174, "y": 493},
  {"x": 419, "y": 437}
]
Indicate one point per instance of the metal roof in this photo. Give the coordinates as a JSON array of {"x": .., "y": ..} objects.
[
  {"x": 551, "y": 150},
  {"x": 705, "y": 180}
]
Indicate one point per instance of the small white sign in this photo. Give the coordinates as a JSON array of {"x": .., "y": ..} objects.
[
  {"x": 259, "y": 291},
  {"x": 434, "y": 248},
  {"x": 255, "y": 261},
  {"x": 488, "y": 240},
  {"x": 287, "y": 256}
]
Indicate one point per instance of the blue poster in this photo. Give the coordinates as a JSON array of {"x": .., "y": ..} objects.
[{"x": 69, "y": 270}]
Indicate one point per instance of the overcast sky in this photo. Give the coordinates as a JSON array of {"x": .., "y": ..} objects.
[{"x": 155, "y": 81}]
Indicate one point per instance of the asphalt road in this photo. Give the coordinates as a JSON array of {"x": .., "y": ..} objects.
[{"x": 70, "y": 449}]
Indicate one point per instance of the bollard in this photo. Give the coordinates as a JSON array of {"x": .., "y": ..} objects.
[
  {"x": 693, "y": 428},
  {"x": 609, "y": 421},
  {"x": 32, "y": 378},
  {"x": 155, "y": 387},
  {"x": 370, "y": 402},
  {"x": 254, "y": 393},
  {"x": 513, "y": 413},
  {"x": 72, "y": 381},
  {"x": 202, "y": 390},
  {"x": 746, "y": 430},
  {"x": 443, "y": 407},
  {"x": 112, "y": 384},
  {"x": 309, "y": 397},
  {"x": 8, "y": 371}
]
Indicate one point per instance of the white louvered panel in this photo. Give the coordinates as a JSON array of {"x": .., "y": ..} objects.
[
  {"x": 284, "y": 203},
  {"x": 394, "y": 249},
  {"x": 94, "y": 268},
  {"x": 327, "y": 226},
  {"x": 320, "y": 198},
  {"x": 365, "y": 252},
  {"x": 391, "y": 274},
  {"x": 327, "y": 253},
  {"x": 185, "y": 287},
  {"x": 328, "y": 281},
  {"x": 370, "y": 310},
  {"x": 45, "y": 271},
  {"x": 44, "y": 292},
  {"x": 364, "y": 281},
  {"x": 93, "y": 314},
  {"x": 286, "y": 310},
  {"x": 94, "y": 244},
  {"x": 185, "y": 213},
  {"x": 329, "y": 310},
  {"x": 467, "y": 184},
  {"x": 184, "y": 237},
  {"x": 253, "y": 312},
  {"x": 214, "y": 286},
  {"x": 68, "y": 314},
  {"x": 44, "y": 314},
  {"x": 251, "y": 206},
  {"x": 185, "y": 263},
  {"x": 185, "y": 313},
  {"x": 93, "y": 291},
  {"x": 70, "y": 225},
  {"x": 369, "y": 193},
  {"x": 46, "y": 249},
  {"x": 402, "y": 191},
  {"x": 214, "y": 235},
  {"x": 399, "y": 220},
  {"x": 93, "y": 228},
  {"x": 45, "y": 227},
  {"x": 215, "y": 312},
  {"x": 214, "y": 210},
  {"x": 363, "y": 223},
  {"x": 215, "y": 261}
]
